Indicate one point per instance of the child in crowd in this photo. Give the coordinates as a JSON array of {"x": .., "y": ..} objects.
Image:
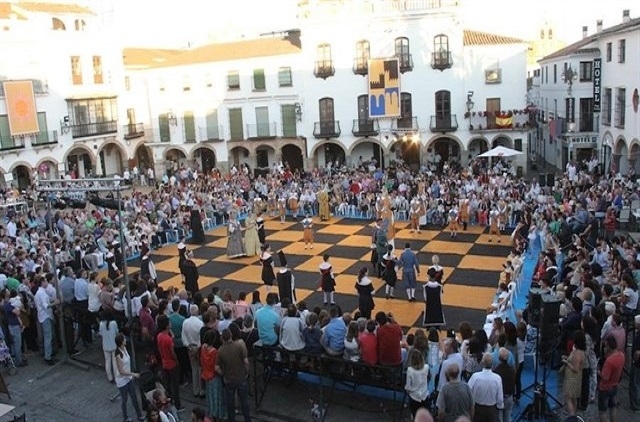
[
  {"x": 351, "y": 344},
  {"x": 417, "y": 384},
  {"x": 312, "y": 335}
]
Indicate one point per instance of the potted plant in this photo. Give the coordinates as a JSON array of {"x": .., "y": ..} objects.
[
  {"x": 466, "y": 115},
  {"x": 480, "y": 127},
  {"x": 470, "y": 127}
]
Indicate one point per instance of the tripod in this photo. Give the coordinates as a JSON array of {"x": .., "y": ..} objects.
[{"x": 539, "y": 408}]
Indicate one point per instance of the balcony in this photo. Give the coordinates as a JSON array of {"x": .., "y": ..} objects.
[
  {"x": 261, "y": 130},
  {"x": 94, "y": 129},
  {"x": 326, "y": 129},
  {"x": 444, "y": 124},
  {"x": 441, "y": 60},
  {"x": 213, "y": 133},
  {"x": 45, "y": 138},
  {"x": 405, "y": 124},
  {"x": 405, "y": 62},
  {"x": 360, "y": 66},
  {"x": 133, "y": 130},
  {"x": 487, "y": 121},
  {"x": 324, "y": 69},
  {"x": 11, "y": 143},
  {"x": 365, "y": 127}
]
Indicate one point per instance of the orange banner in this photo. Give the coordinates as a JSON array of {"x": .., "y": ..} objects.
[{"x": 21, "y": 107}]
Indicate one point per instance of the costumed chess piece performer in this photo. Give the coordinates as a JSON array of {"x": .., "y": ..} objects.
[
  {"x": 147, "y": 267},
  {"x": 390, "y": 276},
  {"x": 266, "y": 260},
  {"x": 414, "y": 215},
  {"x": 453, "y": 221},
  {"x": 323, "y": 205},
  {"x": 364, "y": 287},
  {"x": 327, "y": 280},
  {"x": 262, "y": 236},
  {"x": 191, "y": 274},
  {"x": 307, "y": 235},
  {"x": 282, "y": 208},
  {"x": 251, "y": 239},
  {"x": 381, "y": 244},
  {"x": 433, "y": 315},
  {"x": 235, "y": 245},
  {"x": 410, "y": 270},
  {"x": 285, "y": 280},
  {"x": 494, "y": 223}
]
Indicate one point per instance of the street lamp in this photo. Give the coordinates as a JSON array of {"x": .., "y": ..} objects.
[{"x": 470, "y": 103}]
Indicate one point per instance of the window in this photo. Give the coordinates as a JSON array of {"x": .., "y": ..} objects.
[
  {"x": 364, "y": 126},
  {"x": 259, "y": 83},
  {"x": 236, "y": 130},
  {"x": 555, "y": 73},
  {"x": 213, "y": 129},
  {"x": 542, "y": 34},
  {"x": 324, "y": 65},
  {"x": 443, "y": 109},
  {"x": 233, "y": 80},
  {"x": 58, "y": 25},
  {"x": 406, "y": 111},
  {"x": 186, "y": 84},
  {"x": 546, "y": 72},
  {"x": 6, "y": 140},
  {"x": 441, "y": 56},
  {"x": 606, "y": 106},
  {"x": 620, "y": 107},
  {"x": 163, "y": 124},
  {"x": 80, "y": 24},
  {"x": 76, "y": 70},
  {"x": 327, "y": 122},
  {"x": 586, "y": 114},
  {"x": 586, "y": 71},
  {"x": 189, "y": 127},
  {"x": 363, "y": 53},
  {"x": 262, "y": 122},
  {"x": 284, "y": 77},
  {"x": 127, "y": 83},
  {"x": 403, "y": 53},
  {"x": 289, "y": 129},
  {"x": 94, "y": 116},
  {"x": 550, "y": 32},
  {"x": 42, "y": 137},
  {"x": 609, "y": 51},
  {"x": 97, "y": 70},
  {"x": 517, "y": 144},
  {"x": 622, "y": 45}
]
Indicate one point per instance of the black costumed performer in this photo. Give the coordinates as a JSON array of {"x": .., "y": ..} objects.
[
  {"x": 182, "y": 257},
  {"x": 286, "y": 280},
  {"x": 364, "y": 287},
  {"x": 390, "y": 275},
  {"x": 262, "y": 237},
  {"x": 113, "y": 270},
  {"x": 191, "y": 274},
  {"x": 327, "y": 280},
  {"x": 266, "y": 260},
  {"x": 435, "y": 264},
  {"x": 147, "y": 267},
  {"x": 433, "y": 314}
]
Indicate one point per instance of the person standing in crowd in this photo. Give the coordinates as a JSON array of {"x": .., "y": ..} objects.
[
  {"x": 124, "y": 378},
  {"x": 11, "y": 312},
  {"x": 364, "y": 287},
  {"x": 44, "y": 308},
  {"x": 410, "y": 270},
  {"x": 108, "y": 329},
  {"x": 286, "y": 280},
  {"x": 389, "y": 275},
  {"x": 389, "y": 335},
  {"x": 191, "y": 340},
  {"x": 486, "y": 389},
  {"x": 327, "y": 280},
  {"x": 507, "y": 374},
  {"x": 232, "y": 364},
  {"x": 251, "y": 238},
  {"x": 266, "y": 260},
  {"x": 634, "y": 376},
  {"x": 451, "y": 357},
  {"x": 573, "y": 366},
  {"x": 455, "y": 399},
  {"x": 216, "y": 407},
  {"x": 191, "y": 274},
  {"x": 169, "y": 360},
  {"x": 433, "y": 313},
  {"x": 307, "y": 227},
  {"x": 235, "y": 246},
  {"x": 417, "y": 382},
  {"x": 609, "y": 377}
]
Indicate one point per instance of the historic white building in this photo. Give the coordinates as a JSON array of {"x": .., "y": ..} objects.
[
  {"x": 587, "y": 99},
  {"x": 76, "y": 79}
]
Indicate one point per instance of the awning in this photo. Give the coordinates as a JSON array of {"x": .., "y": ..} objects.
[{"x": 92, "y": 96}]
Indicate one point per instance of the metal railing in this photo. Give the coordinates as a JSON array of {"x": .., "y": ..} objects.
[
  {"x": 441, "y": 60},
  {"x": 261, "y": 130},
  {"x": 326, "y": 129},
  {"x": 11, "y": 143},
  {"x": 365, "y": 127},
  {"x": 94, "y": 129},
  {"x": 133, "y": 130},
  {"x": 405, "y": 62},
  {"x": 360, "y": 66},
  {"x": 45, "y": 138},
  {"x": 406, "y": 123},
  {"x": 444, "y": 124},
  {"x": 324, "y": 68},
  {"x": 211, "y": 133}
]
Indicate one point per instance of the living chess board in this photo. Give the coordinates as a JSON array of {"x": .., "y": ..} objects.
[{"x": 471, "y": 264}]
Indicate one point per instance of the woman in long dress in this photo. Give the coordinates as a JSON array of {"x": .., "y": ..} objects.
[
  {"x": 433, "y": 314},
  {"x": 235, "y": 246},
  {"x": 191, "y": 274},
  {"x": 327, "y": 280},
  {"x": 364, "y": 287},
  {"x": 323, "y": 205},
  {"x": 266, "y": 260},
  {"x": 573, "y": 366},
  {"x": 262, "y": 236},
  {"x": 390, "y": 276},
  {"x": 251, "y": 238}
]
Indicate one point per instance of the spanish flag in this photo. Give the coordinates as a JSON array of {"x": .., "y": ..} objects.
[{"x": 504, "y": 121}]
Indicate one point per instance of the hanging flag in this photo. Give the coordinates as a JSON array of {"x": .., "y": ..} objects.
[{"x": 21, "y": 107}]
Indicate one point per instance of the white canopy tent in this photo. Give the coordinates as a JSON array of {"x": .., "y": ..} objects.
[{"x": 500, "y": 151}]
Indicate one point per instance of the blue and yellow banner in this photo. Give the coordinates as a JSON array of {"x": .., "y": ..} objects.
[{"x": 384, "y": 88}]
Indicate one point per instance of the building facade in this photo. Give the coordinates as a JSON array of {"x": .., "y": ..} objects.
[
  {"x": 59, "y": 108},
  {"x": 587, "y": 99}
]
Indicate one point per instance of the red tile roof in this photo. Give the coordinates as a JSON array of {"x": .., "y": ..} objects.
[
  {"x": 472, "y": 37},
  {"x": 55, "y": 8}
]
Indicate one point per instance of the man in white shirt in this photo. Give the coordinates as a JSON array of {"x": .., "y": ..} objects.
[
  {"x": 452, "y": 357},
  {"x": 486, "y": 389},
  {"x": 44, "y": 308},
  {"x": 12, "y": 229},
  {"x": 191, "y": 340}
]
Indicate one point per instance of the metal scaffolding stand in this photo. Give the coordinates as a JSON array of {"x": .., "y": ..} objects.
[{"x": 82, "y": 186}]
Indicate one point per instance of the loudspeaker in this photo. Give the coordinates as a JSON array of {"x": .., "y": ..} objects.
[
  {"x": 535, "y": 307},
  {"x": 197, "y": 232},
  {"x": 550, "y": 319},
  {"x": 551, "y": 179},
  {"x": 542, "y": 180}
]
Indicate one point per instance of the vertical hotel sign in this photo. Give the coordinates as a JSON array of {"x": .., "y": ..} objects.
[
  {"x": 21, "y": 107},
  {"x": 597, "y": 75},
  {"x": 384, "y": 88}
]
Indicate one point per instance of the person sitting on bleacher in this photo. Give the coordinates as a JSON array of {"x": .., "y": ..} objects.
[
  {"x": 268, "y": 321},
  {"x": 501, "y": 299},
  {"x": 334, "y": 333},
  {"x": 312, "y": 336}
]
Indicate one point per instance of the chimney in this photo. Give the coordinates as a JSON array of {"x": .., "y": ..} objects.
[
  {"x": 626, "y": 16},
  {"x": 585, "y": 30},
  {"x": 599, "y": 26}
]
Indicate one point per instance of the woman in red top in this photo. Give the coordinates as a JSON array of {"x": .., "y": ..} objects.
[
  {"x": 216, "y": 408},
  {"x": 610, "y": 223},
  {"x": 369, "y": 344}
]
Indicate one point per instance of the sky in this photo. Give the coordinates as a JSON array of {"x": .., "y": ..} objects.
[{"x": 176, "y": 23}]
